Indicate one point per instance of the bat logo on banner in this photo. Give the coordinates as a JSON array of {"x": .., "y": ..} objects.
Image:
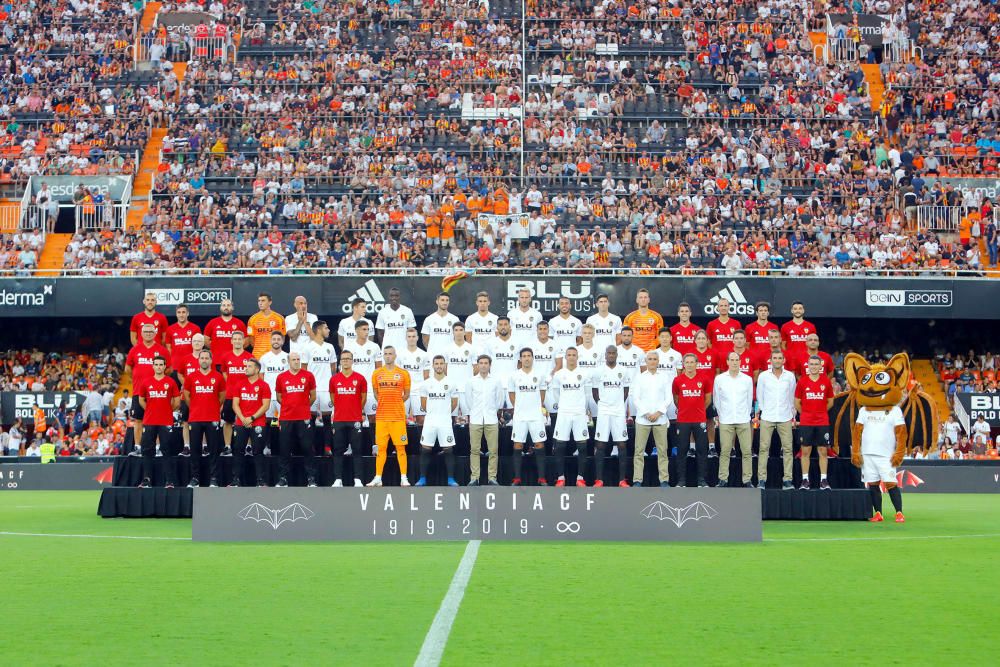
[
  {"x": 678, "y": 515},
  {"x": 274, "y": 518}
]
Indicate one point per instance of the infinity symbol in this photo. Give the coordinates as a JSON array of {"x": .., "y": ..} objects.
[{"x": 571, "y": 527}]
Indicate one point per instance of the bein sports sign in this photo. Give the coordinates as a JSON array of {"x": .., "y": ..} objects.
[{"x": 901, "y": 298}]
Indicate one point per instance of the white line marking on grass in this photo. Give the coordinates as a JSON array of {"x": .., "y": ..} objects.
[
  {"x": 93, "y": 537},
  {"x": 437, "y": 636},
  {"x": 880, "y": 537}
]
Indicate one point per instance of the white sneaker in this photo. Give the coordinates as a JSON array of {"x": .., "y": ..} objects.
[
  {"x": 374, "y": 450},
  {"x": 337, "y": 484},
  {"x": 614, "y": 451},
  {"x": 403, "y": 481},
  {"x": 357, "y": 482},
  {"x": 349, "y": 451},
  {"x": 376, "y": 481},
  {"x": 266, "y": 451}
]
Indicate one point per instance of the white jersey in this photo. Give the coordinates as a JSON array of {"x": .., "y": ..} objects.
[
  {"x": 395, "y": 323},
  {"x": 572, "y": 389},
  {"x": 605, "y": 330},
  {"x": 610, "y": 384},
  {"x": 670, "y": 362},
  {"x": 504, "y": 356},
  {"x": 981, "y": 431},
  {"x": 879, "y": 435},
  {"x": 365, "y": 357},
  {"x": 461, "y": 362},
  {"x": 273, "y": 364},
  {"x": 632, "y": 359},
  {"x": 438, "y": 330},
  {"x": 564, "y": 331},
  {"x": 319, "y": 356},
  {"x": 524, "y": 326},
  {"x": 438, "y": 394},
  {"x": 545, "y": 355},
  {"x": 303, "y": 339},
  {"x": 527, "y": 388},
  {"x": 482, "y": 328},
  {"x": 347, "y": 331},
  {"x": 414, "y": 363},
  {"x": 590, "y": 360}
]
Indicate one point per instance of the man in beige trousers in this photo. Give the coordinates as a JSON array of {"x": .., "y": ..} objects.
[{"x": 732, "y": 396}]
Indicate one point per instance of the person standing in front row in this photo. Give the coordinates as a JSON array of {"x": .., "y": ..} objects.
[
  {"x": 776, "y": 411},
  {"x": 653, "y": 400},
  {"x": 158, "y": 397},
  {"x": 391, "y": 387},
  {"x": 732, "y": 394},
  {"x": 348, "y": 395},
  {"x": 485, "y": 397},
  {"x": 296, "y": 392},
  {"x": 692, "y": 395}
]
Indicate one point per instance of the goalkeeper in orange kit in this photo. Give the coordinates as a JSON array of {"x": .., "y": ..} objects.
[{"x": 391, "y": 386}]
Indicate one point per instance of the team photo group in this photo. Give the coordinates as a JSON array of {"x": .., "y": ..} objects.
[{"x": 624, "y": 388}]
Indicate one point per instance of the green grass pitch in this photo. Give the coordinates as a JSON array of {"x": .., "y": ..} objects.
[{"x": 850, "y": 593}]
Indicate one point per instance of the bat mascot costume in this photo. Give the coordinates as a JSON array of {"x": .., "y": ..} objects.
[{"x": 883, "y": 416}]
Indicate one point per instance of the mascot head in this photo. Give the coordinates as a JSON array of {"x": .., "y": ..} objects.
[{"x": 877, "y": 385}]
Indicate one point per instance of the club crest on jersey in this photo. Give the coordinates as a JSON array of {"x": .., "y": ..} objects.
[
  {"x": 619, "y": 376},
  {"x": 402, "y": 438},
  {"x": 449, "y": 439},
  {"x": 579, "y": 377}
]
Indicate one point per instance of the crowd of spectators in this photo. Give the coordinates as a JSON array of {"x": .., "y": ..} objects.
[{"x": 36, "y": 371}]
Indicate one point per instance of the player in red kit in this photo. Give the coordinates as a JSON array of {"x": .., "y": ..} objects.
[
  {"x": 692, "y": 395},
  {"x": 684, "y": 331},
  {"x": 748, "y": 363},
  {"x": 296, "y": 391},
  {"x": 233, "y": 366},
  {"x": 220, "y": 329},
  {"x": 799, "y": 365},
  {"x": 190, "y": 363},
  {"x": 159, "y": 397},
  {"x": 720, "y": 330},
  {"x": 763, "y": 356},
  {"x": 204, "y": 391},
  {"x": 148, "y": 316},
  {"x": 250, "y": 404},
  {"x": 139, "y": 364},
  {"x": 794, "y": 333},
  {"x": 179, "y": 335},
  {"x": 757, "y": 331},
  {"x": 348, "y": 393},
  {"x": 813, "y": 400}
]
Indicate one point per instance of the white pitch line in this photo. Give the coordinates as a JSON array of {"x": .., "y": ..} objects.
[
  {"x": 93, "y": 537},
  {"x": 880, "y": 537},
  {"x": 437, "y": 636}
]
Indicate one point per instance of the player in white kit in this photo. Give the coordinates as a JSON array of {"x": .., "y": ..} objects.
[
  {"x": 347, "y": 329},
  {"x": 320, "y": 359},
  {"x": 633, "y": 359},
  {"x": 436, "y": 329},
  {"x": 565, "y": 327},
  {"x": 367, "y": 357},
  {"x": 571, "y": 389},
  {"x": 393, "y": 321},
  {"x": 273, "y": 363},
  {"x": 503, "y": 355},
  {"x": 417, "y": 363},
  {"x": 610, "y": 388},
  {"x": 589, "y": 358},
  {"x": 523, "y": 319},
  {"x": 547, "y": 358},
  {"x": 461, "y": 363},
  {"x": 438, "y": 398},
  {"x": 527, "y": 393},
  {"x": 481, "y": 326},
  {"x": 606, "y": 324}
]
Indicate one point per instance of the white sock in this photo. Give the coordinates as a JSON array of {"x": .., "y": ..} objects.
[{"x": 822, "y": 477}]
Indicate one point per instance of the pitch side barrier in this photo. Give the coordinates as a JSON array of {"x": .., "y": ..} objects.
[{"x": 330, "y": 295}]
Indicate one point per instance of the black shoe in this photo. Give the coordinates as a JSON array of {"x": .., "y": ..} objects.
[
  {"x": 168, "y": 485},
  {"x": 234, "y": 484},
  {"x": 723, "y": 483},
  {"x": 747, "y": 485},
  {"x": 702, "y": 484},
  {"x": 144, "y": 484},
  {"x": 312, "y": 484},
  {"x": 762, "y": 485},
  {"x": 473, "y": 482},
  {"x": 824, "y": 485},
  {"x": 636, "y": 484},
  {"x": 681, "y": 483},
  {"x": 213, "y": 483},
  {"x": 713, "y": 453},
  {"x": 664, "y": 485},
  {"x": 261, "y": 484},
  {"x": 804, "y": 486},
  {"x": 787, "y": 486},
  {"x": 282, "y": 483},
  {"x": 185, "y": 452},
  {"x": 227, "y": 452},
  {"x": 193, "y": 484},
  {"x": 493, "y": 482}
]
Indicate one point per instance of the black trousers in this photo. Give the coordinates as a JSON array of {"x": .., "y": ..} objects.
[
  {"x": 684, "y": 433},
  {"x": 344, "y": 434},
  {"x": 296, "y": 436},
  {"x": 165, "y": 435},
  {"x": 257, "y": 437},
  {"x": 211, "y": 434}
]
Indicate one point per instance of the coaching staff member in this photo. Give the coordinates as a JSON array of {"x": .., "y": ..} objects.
[
  {"x": 732, "y": 395},
  {"x": 251, "y": 404},
  {"x": 692, "y": 395},
  {"x": 813, "y": 400},
  {"x": 485, "y": 397},
  {"x": 159, "y": 397},
  {"x": 296, "y": 392},
  {"x": 204, "y": 391},
  {"x": 139, "y": 364},
  {"x": 776, "y": 411},
  {"x": 348, "y": 394}
]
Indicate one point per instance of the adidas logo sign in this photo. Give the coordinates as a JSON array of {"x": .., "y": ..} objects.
[
  {"x": 738, "y": 304},
  {"x": 372, "y": 296}
]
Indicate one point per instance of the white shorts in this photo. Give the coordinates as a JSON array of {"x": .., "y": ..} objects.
[
  {"x": 440, "y": 432},
  {"x": 576, "y": 426},
  {"x": 550, "y": 403},
  {"x": 413, "y": 404},
  {"x": 523, "y": 429},
  {"x": 877, "y": 468},
  {"x": 591, "y": 406},
  {"x": 611, "y": 428},
  {"x": 322, "y": 403}
]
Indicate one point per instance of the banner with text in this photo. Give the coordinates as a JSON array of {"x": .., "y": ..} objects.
[{"x": 21, "y": 404}]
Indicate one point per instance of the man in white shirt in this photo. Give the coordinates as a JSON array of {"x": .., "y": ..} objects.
[
  {"x": 481, "y": 326},
  {"x": 485, "y": 397},
  {"x": 570, "y": 390},
  {"x": 436, "y": 330},
  {"x": 776, "y": 411},
  {"x": 393, "y": 321},
  {"x": 526, "y": 389},
  {"x": 547, "y": 357},
  {"x": 417, "y": 363},
  {"x": 610, "y": 388},
  {"x": 298, "y": 325},
  {"x": 564, "y": 327},
  {"x": 348, "y": 327},
  {"x": 606, "y": 324},
  {"x": 503, "y": 354},
  {"x": 460, "y": 364},
  {"x": 589, "y": 358},
  {"x": 367, "y": 357},
  {"x": 981, "y": 431},
  {"x": 320, "y": 359},
  {"x": 653, "y": 400},
  {"x": 732, "y": 396},
  {"x": 632, "y": 359},
  {"x": 524, "y": 319},
  {"x": 273, "y": 363},
  {"x": 439, "y": 399}
]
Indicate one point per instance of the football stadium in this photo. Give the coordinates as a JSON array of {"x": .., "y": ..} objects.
[{"x": 333, "y": 330}]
